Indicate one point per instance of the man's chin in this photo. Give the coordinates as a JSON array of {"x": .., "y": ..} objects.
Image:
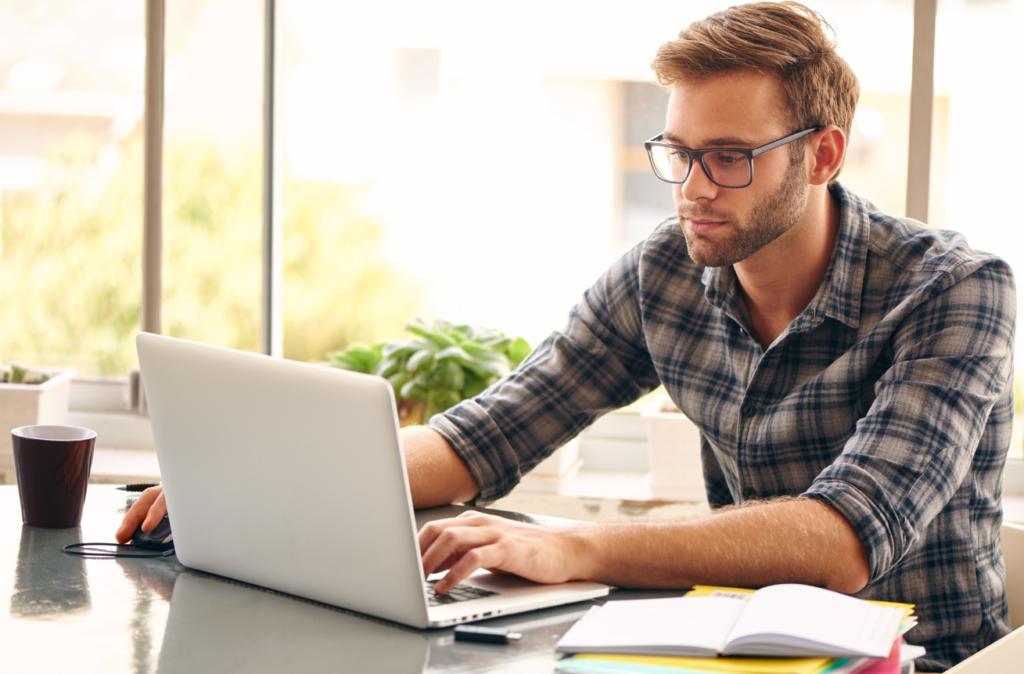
[{"x": 707, "y": 254}]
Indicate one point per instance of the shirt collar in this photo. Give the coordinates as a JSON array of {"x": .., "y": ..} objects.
[{"x": 839, "y": 296}]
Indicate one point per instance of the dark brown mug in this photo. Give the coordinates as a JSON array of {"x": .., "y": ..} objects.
[{"x": 53, "y": 465}]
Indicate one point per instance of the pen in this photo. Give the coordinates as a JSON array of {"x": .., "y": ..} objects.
[{"x": 486, "y": 635}]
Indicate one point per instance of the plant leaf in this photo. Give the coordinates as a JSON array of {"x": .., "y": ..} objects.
[
  {"x": 412, "y": 390},
  {"x": 518, "y": 351},
  {"x": 497, "y": 342},
  {"x": 397, "y": 381},
  {"x": 422, "y": 360},
  {"x": 453, "y": 352},
  {"x": 387, "y": 368},
  {"x": 489, "y": 364},
  {"x": 475, "y": 384},
  {"x": 449, "y": 375},
  {"x": 442, "y": 326},
  {"x": 417, "y": 326},
  {"x": 403, "y": 348},
  {"x": 358, "y": 357}
]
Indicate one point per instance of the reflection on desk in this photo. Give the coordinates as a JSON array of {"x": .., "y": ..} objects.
[
  {"x": 216, "y": 625},
  {"x": 154, "y": 616},
  {"x": 48, "y": 586}
]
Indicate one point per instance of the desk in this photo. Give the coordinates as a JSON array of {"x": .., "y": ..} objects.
[{"x": 145, "y": 616}]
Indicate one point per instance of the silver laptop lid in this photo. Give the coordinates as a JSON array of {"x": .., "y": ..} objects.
[{"x": 285, "y": 475}]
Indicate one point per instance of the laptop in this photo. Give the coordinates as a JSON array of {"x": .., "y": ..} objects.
[{"x": 291, "y": 476}]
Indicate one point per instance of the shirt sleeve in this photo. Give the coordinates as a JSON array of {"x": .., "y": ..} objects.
[
  {"x": 597, "y": 363},
  {"x": 951, "y": 358}
]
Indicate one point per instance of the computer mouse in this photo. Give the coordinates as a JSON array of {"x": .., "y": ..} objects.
[{"x": 159, "y": 538}]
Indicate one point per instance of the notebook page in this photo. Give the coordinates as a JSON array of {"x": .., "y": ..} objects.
[
  {"x": 803, "y": 620},
  {"x": 655, "y": 626}
]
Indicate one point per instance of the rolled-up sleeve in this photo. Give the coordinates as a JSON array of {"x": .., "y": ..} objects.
[
  {"x": 951, "y": 360},
  {"x": 596, "y": 364}
]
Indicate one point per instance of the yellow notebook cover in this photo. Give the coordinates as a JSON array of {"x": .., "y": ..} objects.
[{"x": 737, "y": 665}]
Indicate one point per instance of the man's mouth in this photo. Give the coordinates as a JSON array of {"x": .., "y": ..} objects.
[{"x": 701, "y": 225}]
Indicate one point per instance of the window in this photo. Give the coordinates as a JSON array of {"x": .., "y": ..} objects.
[
  {"x": 71, "y": 103},
  {"x": 212, "y": 175}
]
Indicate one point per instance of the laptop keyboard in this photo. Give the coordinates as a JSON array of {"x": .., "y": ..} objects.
[{"x": 456, "y": 594}]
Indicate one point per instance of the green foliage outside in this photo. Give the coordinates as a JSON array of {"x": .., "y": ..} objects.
[
  {"x": 442, "y": 366},
  {"x": 70, "y": 278},
  {"x": 70, "y": 265}
]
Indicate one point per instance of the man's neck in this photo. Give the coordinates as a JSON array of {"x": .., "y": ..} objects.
[{"x": 780, "y": 280}]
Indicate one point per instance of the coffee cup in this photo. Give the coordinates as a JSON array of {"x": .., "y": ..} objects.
[{"x": 53, "y": 465}]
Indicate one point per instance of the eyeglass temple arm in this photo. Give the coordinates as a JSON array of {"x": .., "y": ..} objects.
[{"x": 782, "y": 141}]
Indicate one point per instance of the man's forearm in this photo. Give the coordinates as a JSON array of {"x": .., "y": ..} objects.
[
  {"x": 437, "y": 476},
  {"x": 800, "y": 541}
]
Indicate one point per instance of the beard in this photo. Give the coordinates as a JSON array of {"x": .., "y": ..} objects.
[{"x": 770, "y": 218}]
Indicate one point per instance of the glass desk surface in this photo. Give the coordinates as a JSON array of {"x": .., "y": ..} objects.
[{"x": 68, "y": 613}]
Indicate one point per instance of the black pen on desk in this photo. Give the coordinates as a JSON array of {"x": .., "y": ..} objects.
[{"x": 486, "y": 635}]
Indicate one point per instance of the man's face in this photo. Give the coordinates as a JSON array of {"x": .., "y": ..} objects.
[{"x": 723, "y": 226}]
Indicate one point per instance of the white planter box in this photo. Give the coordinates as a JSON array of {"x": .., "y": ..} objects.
[
  {"x": 553, "y": 472},
  {"x": 29, "y": 405},
  {"x": 673, "y": 445}
]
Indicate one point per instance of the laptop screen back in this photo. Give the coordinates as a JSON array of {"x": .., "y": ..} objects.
[{"x": 285, "y": 475}]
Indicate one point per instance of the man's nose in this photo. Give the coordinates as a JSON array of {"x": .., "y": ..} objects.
[{"x": 698, "y": 185}]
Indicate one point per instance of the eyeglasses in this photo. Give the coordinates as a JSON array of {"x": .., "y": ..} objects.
[{"x": 731, "y": 167}]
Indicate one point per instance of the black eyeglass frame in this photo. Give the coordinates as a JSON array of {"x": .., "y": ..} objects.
[{"x": 693, "y": 156}]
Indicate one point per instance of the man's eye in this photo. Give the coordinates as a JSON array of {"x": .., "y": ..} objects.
[{"x": 726, "y": 159}]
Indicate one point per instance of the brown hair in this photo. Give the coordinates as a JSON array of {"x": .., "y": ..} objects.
[{"x": 784, "y": 39}]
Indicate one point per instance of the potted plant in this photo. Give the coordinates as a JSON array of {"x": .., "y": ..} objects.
[
  {"x": 30, "y": 396},
  {"x": 441, "y": 366}
]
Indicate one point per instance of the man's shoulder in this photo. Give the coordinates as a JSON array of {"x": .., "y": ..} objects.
[
  {"x": 888, "y": 260},
  {"x": 913, "y": 247}
]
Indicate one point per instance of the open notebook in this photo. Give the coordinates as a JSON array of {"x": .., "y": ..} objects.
[{"x": 780, "y": 620}]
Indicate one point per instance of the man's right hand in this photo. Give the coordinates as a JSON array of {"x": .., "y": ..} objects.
[{"x": 148, "y": 510}]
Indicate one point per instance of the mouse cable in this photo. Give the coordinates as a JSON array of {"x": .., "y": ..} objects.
[{"x": 82, "y": 550}]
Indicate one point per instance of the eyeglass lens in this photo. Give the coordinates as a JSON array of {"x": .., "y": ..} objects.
[{"x": 728, "y": 169}]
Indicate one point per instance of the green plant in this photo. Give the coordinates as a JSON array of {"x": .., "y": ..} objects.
[
  {"x": 16, "y": 373},
  {"x": 442, "y": 366}
]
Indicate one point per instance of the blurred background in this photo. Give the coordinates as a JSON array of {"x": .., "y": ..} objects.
[{"x": 449, "y": 159}]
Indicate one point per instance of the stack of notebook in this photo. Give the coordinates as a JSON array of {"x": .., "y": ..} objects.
[{"x": 782, "y": 629}]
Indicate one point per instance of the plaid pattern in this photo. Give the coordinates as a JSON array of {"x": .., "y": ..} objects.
[{"x": 888, "y": 398}]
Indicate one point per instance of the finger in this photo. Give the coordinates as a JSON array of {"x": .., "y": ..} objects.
[
  {"x": 137, "y": 513},
  {"x": 431, "y": 530},
  {"x": 156, "y": 513},
  {"x": 429, "y": 533},
  {"x": 455, "y": 541},
  {"x": 477, "y": 558},
  {"x": 446, "y": 564}
]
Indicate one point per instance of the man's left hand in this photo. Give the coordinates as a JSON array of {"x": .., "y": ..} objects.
[{"x": 474, "y": 541}]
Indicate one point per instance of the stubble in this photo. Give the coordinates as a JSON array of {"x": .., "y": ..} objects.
[{"x": 769, "y": 219}]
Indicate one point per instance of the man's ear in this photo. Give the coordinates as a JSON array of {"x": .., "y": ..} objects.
[{"x": 826, "y": 149}]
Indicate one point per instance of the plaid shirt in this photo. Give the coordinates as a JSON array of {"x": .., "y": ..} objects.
[{"x": 888, "y": 398}]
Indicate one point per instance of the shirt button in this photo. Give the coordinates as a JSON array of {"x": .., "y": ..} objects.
[{"x": 748, "y": 410}]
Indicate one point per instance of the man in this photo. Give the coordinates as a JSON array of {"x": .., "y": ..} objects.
[{"x": 849, "y": 371}]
